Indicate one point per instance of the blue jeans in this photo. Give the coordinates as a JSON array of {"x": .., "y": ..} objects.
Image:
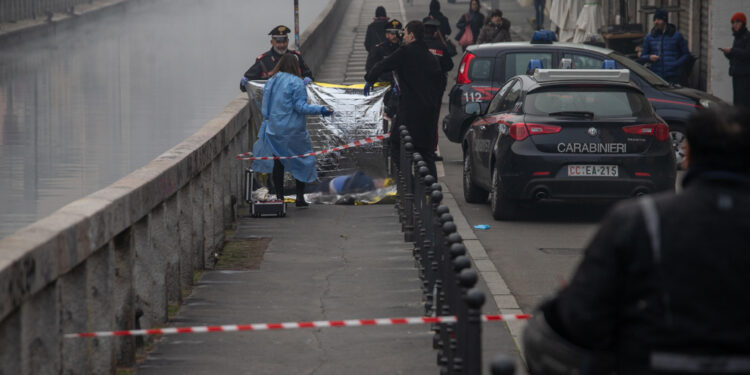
[{"x": 539, "y": 9}]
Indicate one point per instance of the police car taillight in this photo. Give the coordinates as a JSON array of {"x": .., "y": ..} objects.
[
  {"x": 520, "y": 131},
  {"x": 463, "y": 69},
  {"x": 659, "y": 131}
]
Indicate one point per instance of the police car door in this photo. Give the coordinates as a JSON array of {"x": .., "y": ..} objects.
[{"x": 487, "y": 134}]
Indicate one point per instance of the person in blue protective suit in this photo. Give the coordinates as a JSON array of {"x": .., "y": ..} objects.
[
  {"x": 283, "y": 131},
  {"x": 665, "y": 48}
]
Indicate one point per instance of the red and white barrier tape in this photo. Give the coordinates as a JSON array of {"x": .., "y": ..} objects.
[
  {"x": 361, "y": 142},
  {"x": 294, "y": 325}
]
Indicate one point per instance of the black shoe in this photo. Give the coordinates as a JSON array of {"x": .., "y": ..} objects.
[
  {"x": 438, "y": 158},
  {"x": 301, "y": 203}
]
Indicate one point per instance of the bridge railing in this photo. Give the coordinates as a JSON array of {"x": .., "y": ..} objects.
[
  {"x": 448, "y": 279},
  {"x": 17, "y": 10}
]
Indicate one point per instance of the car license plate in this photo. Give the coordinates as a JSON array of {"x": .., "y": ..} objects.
[{"x": 592, "y": 171}]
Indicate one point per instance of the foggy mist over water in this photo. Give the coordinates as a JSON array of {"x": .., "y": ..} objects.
[{"x": 83, "y": 108}]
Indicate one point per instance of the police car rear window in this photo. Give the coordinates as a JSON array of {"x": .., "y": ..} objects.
[
  {"x": 480, "y": 69},
  {"x": 601, "y": 101}
]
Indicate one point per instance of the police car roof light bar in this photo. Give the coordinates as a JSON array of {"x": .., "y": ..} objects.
[
  {"x": 584, "y": 75},
  {"x": 609, "y": 64}
]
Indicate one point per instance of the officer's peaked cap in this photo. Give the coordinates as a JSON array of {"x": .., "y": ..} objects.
[
  {"x": 394, "y": 25},
  {"x": 280, "y": 30}
]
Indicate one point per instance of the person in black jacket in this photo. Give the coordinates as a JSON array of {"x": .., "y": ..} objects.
[
  {"x": 379, "y": 52},
  {"x": 444, "y": 52},
  {"x": 474, "y": 19},
  {"x": 419, "y": 77},
  {"x": 436, "y": 14},
  {"x": 663, "y": 284},
  {"x": 739, "y": 60},
  {"x": 265, "y": 63},
  {"x": 376, "y": 30}
]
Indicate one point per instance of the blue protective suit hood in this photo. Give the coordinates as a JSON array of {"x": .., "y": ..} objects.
[{"x": 284, "y": 131}]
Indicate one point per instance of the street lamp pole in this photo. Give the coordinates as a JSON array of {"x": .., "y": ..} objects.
[{"x": 296, "y": 24}]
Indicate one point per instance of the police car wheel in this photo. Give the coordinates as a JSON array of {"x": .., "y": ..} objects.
[
  {"x": 502, "y": 207},
  {"x": 677, "y": 136},
  {"x": 472, "y": 192}
]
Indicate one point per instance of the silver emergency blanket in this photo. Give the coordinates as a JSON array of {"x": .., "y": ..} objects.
[{"x": 355, "y": 117}]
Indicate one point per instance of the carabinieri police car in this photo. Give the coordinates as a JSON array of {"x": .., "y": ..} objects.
[{"x": 565, "y": 134}]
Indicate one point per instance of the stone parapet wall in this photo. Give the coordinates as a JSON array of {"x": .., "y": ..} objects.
[{"x": 117, "y": 258}]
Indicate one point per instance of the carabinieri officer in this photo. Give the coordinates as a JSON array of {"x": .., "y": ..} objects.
[{"x": 265, "y": 63}]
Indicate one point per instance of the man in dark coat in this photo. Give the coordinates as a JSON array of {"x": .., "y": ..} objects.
[
  {"x": 265, "y": 63},
  {"x": 379, "y": 52},
  {"x": 664, "y": 282},
  {"x": 376, "y": 30},
  {"x": 419, "y": 74},
  {"x": 739, "y": 60},
  {"x": 444, "y": 52},
  {"x": 665, "y": 48},
  {"x": 436, "y": 14}
]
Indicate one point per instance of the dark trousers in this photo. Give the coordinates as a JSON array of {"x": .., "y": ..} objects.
[
  {"x": 278, "y": 182},
  {"x": 741, "y": 87},
  {"x": 539, "y": 10},
  {"x": 428, "y": 155}
]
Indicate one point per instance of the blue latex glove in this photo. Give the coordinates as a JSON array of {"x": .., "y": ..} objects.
[
  {"x": 395, "y": 90},
  {"x": 307, "y": 80},
  {"x": 243, "y": 82},
  {"x": 368, "y": 87},
  {"x": 325, "y": 111}
]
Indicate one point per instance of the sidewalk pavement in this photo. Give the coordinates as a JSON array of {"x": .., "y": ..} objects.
[{"x": 322, "y": 263}]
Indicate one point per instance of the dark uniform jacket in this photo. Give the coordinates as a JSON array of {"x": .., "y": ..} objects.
[
  {"x": 376, "y": 32},
  {"x": 419, "y": 74},
  {"x": 379, "y": 52},
  {"x": 739, "y": 56},
  {"x": 671, "y": 48},
  {"x": 445, "y": 26},
  {"x": 694, "y": 300},
  {"x": 265, "y": 63},
  {"x": 493, "y": 33},
  {"x": 443, "y": 54}
]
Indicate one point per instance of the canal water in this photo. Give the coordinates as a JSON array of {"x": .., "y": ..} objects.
[{"x": 87, "y": 106}]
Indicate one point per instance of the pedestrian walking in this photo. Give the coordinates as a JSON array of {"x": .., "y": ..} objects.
[
  {"x": 376, "y": 29},
  {"x": 283, "y": 131},
  {"x": 436, "y": 14},
  {"x": 739, "y": 60},
  {"x": 648, "y": 291},
  {"x": 419, "y": 78},
  {"x": 665, "y": 48},
  {"x": 496, "y": 30},
  {"x": 469, "y": 25},
  {"x": 267, "y": 61},
  {"x": 539, "y": 6}
]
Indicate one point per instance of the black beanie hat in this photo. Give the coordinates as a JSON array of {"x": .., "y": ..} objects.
[
  {"x": 661, "y": 14},
  {"x": 434, "y": 6},
  {"x": 380, "y": 12}
]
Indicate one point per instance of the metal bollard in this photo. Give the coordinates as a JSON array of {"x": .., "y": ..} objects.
[
  {"x": 408, "y": 224},
  {"x": 467, "y": 278},
  {"x": 473, "y": 348}
]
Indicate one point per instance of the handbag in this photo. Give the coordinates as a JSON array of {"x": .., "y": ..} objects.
[{"x": 467, "y": 38}]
